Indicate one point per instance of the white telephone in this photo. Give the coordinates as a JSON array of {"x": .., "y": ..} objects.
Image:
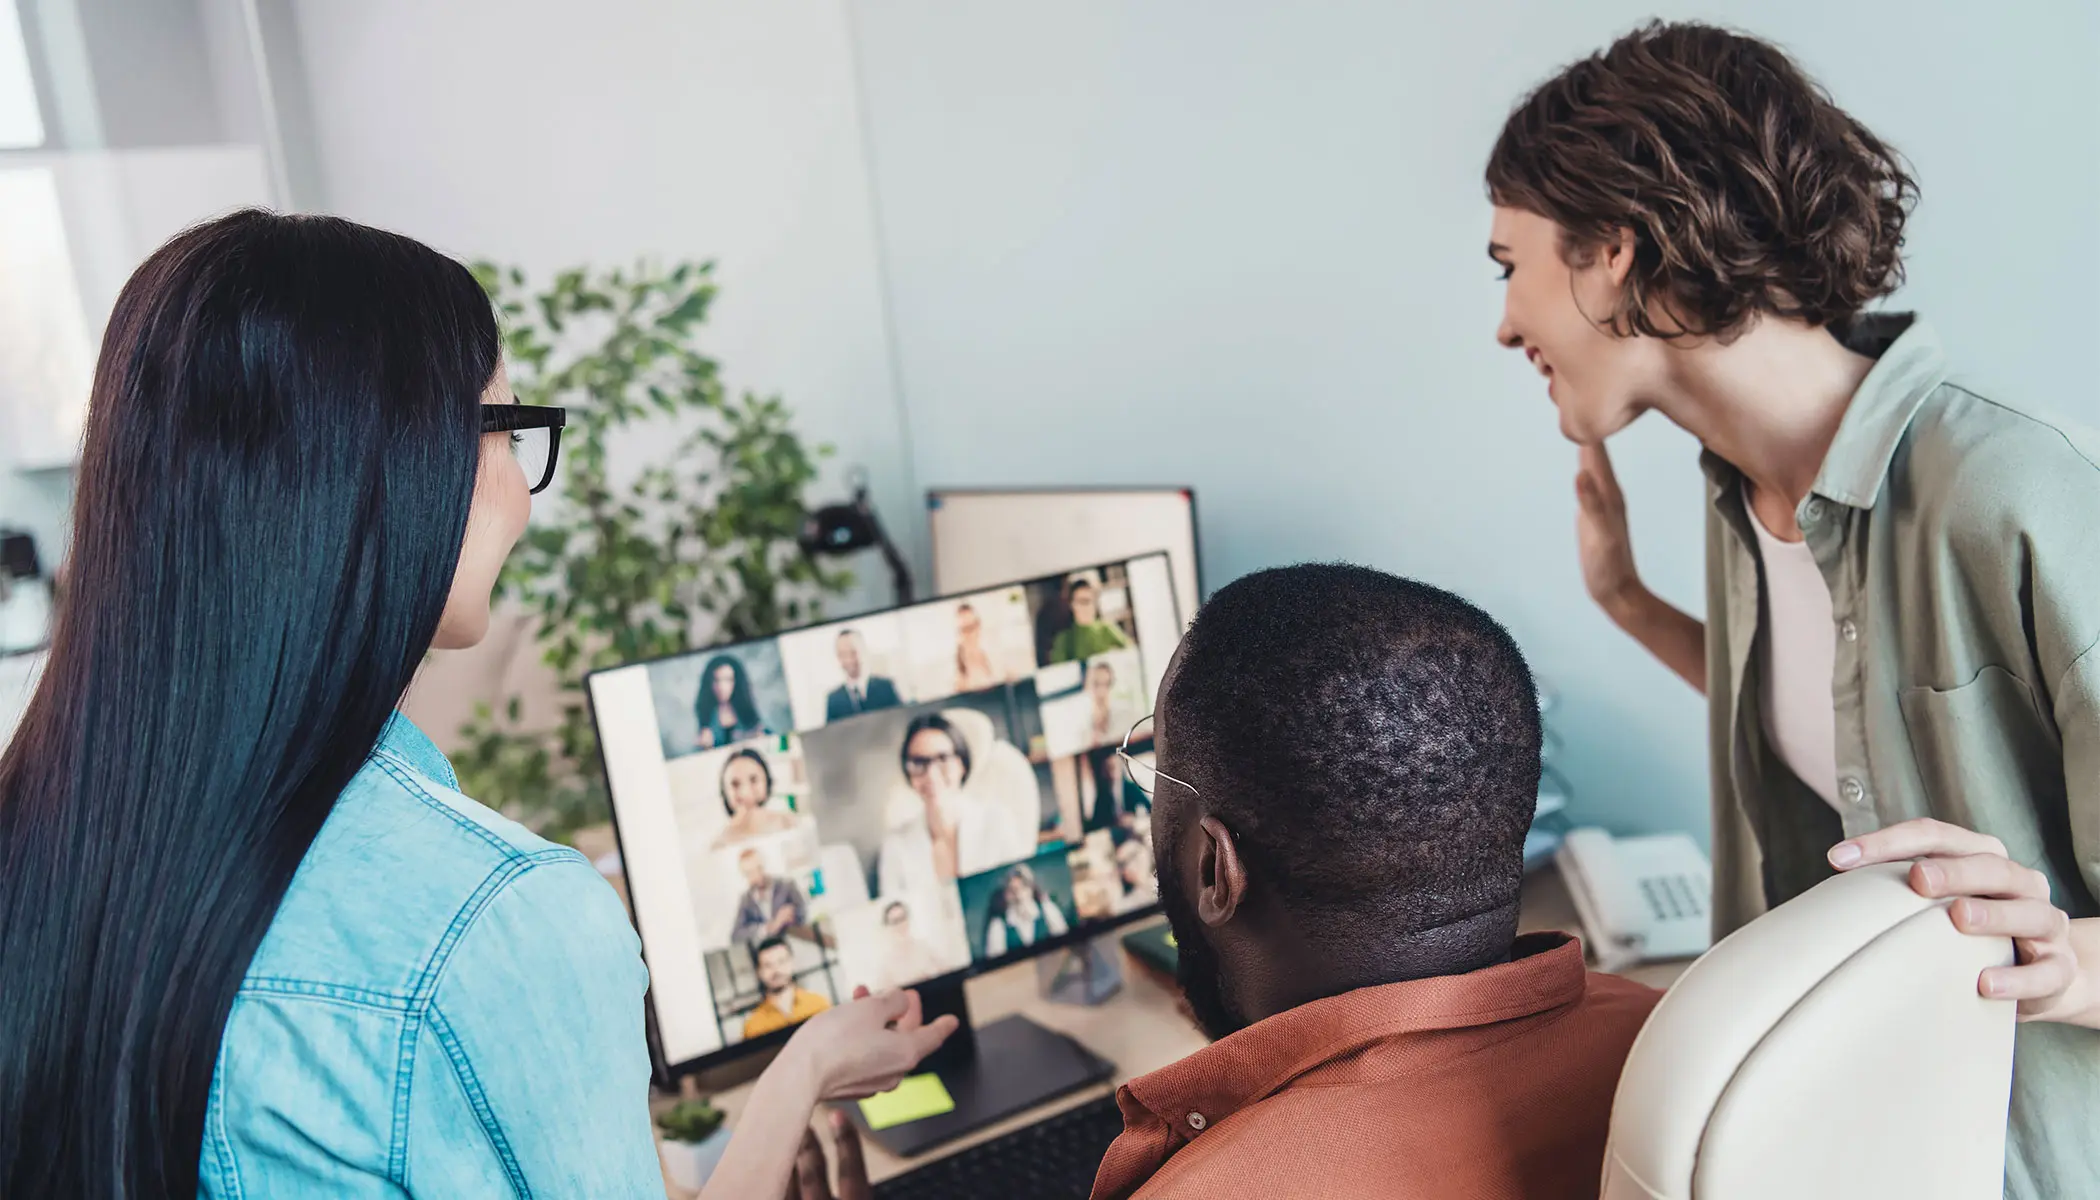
[{"x": 1641, "y": 899}]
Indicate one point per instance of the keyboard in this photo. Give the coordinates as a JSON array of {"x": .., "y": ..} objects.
[{"x": 1054, "y": 1159}]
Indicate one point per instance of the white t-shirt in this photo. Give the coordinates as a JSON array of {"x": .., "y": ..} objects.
[
  {"x": 985, "y": 838},
  {"x": 1797, "y": 663}
]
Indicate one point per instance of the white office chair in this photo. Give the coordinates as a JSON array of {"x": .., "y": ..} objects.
[{"x": 1835, "y": 1047}]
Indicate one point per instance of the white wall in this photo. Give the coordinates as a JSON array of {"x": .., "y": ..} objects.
[
  {"x": 152, "y": 72},
  {"x": 1234, "y": 244},
  {"x": 1240, "y": 245},
  {"x": 552, "y": 134}
]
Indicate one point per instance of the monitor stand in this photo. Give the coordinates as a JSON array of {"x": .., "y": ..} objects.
[{"x": 992, "y": 1073}]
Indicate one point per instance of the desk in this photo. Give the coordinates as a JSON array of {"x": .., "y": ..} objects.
[{"x": 1141, "y": 1028}]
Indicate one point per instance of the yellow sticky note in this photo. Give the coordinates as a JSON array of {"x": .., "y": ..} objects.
[{"x": 918, "y": 1096}]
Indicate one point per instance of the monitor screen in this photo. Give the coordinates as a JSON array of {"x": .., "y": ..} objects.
[
  {"x": 884, "y": 800},
  {"x": 983, "y": 537}
]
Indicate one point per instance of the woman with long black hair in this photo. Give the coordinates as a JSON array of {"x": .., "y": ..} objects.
[
  {"x": 253, "y": 941},
  {"x": 726, "y": 708}
]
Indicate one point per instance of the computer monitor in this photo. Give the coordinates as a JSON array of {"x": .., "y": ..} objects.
[
  {"x": 904, "y": 798},
  {"x": 982, "y": 536}
]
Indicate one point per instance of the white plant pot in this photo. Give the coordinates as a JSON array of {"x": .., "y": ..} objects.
[{"x": 688, "y": 1164}]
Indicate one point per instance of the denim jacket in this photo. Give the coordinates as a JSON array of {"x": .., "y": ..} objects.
[{"x": 444, "y": 1006}]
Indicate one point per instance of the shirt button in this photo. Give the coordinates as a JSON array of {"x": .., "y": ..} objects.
[
  {"x": 1849, "y": 630},
  {"x": 1852, "y": 790},
  {"x": 1813, "y": 510},
  {"x": 1196, "y": 1122}
]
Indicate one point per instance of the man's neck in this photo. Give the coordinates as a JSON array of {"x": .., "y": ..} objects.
[
  {"x": 1304, "y": 968},
  {"x": 784, "y": 1000}
]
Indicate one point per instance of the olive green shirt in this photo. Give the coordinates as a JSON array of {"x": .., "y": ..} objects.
[
  {"x": 1960, "y": 539},
  {"x": 1081, "y": 642}
]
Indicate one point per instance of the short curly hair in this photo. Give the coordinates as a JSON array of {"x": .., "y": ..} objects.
[
  {"x": 1371, "y": 741},
  {"x": 1748, "y": 190}
]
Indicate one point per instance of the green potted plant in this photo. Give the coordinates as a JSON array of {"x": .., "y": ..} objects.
[
  {"x": 694, "y": 1137},
  {"x": 650, "y": 555}
]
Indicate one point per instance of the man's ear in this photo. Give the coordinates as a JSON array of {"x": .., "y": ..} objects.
[{"x": 1221, "y": 875}]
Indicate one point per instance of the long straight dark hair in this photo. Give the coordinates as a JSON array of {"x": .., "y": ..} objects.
[
  {"x": 280, "y": 456},
  {"x": 742, "y": 700}
]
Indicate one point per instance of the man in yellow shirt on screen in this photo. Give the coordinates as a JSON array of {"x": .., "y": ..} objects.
[{"x": 786, "y": 1002}]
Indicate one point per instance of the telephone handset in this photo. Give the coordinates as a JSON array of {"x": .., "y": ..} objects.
[{"x": 1641, "y": 899}]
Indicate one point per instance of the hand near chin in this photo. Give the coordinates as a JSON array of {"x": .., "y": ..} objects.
[{"x": 1601, "y": 531}]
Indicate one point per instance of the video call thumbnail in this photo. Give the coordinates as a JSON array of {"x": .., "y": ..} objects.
[
  {"x": 1080, "y": 615},
  {"x": 883, "y": 800},
  {"x": 1015, "y": 906},
  {"x": 1093, "y": 792},
  {"x": 901, "y": 940},
  {"x": 927, "y": 794},
  {"x": 768, "y": 985},
  {"x": 839, "y": 671},
  {"x": 1112, "y": 874},
  {"x": 707, "y": 701},
  {"x": 1091, "y": 704},
  {"x": 970, "y": 643}
]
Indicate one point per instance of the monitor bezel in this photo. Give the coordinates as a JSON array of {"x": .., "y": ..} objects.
[{"x": 666, "y": 1072}]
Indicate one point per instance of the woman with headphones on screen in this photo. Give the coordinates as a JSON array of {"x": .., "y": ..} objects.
[
  {"x": 747, "y": 784},
  {"x": 1903, "y": 594},
  {"x": 253, "y": 941}
]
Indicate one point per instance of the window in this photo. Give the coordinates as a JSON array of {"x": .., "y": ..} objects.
[
  {"x": 46, "y": 355},
  {"x": 21, "y": 122}
]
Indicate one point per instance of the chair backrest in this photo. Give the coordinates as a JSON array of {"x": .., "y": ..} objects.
[{"x": 1835, "y": 1047}]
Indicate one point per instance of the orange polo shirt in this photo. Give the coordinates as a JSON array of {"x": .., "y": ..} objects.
[
  {"x": 767, "y": 1017},
  {"x": 1483, "y": 1086}
]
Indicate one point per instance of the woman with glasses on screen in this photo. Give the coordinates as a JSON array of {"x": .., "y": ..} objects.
[
  {"x": 253, "y": 941},
  {"x": 951, "y": 831}
]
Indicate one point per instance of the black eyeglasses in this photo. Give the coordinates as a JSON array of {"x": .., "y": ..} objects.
[
  {"x": 917, "y": 766},
  {"x": 535, "y": 436}
]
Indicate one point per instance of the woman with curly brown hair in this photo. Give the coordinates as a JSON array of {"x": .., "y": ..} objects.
[{"x": 1902, "y": 593}]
